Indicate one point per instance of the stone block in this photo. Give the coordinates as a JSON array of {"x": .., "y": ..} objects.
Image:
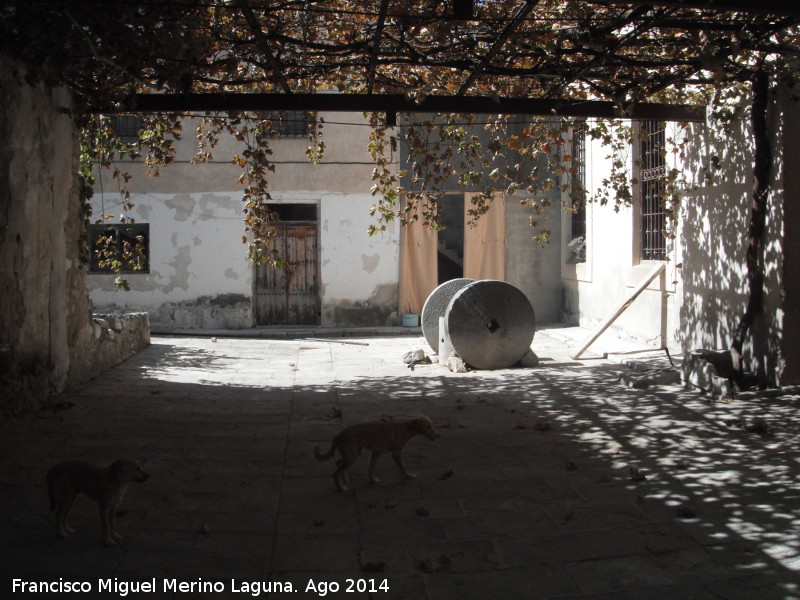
[
  {"x": 413, "y": 356},
  {"x": 456, "y": 364},
  {"x": 529, "y": 360}
]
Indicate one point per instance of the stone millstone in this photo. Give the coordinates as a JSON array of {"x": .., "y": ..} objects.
[
  {"x": 490, "y": 324},
  {"x": 435, "y": 307}
]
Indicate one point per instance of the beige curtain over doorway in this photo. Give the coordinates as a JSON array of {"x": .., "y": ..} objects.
[
  {"x": 485, "y": 243},
  {"x": 419, "y": 271}
]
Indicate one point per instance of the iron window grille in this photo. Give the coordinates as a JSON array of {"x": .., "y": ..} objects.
[
  {"x": 577, "y": 244},
  {"x": 654, "y": 169},
  {"x": 289, "y": 123},
  {"x": 126, "y": 127}
]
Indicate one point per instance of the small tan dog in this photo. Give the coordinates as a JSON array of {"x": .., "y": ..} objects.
[
  {"x": 379, "y": 438},
  {"x": 106, "y": 486}
]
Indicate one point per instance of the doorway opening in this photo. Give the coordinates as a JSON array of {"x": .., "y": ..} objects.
[
  {"x": 290, "y": 295},
  {"x": 450, "y": 245}
]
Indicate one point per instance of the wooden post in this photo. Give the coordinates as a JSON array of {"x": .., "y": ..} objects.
[{"x": 608, "y": 321}]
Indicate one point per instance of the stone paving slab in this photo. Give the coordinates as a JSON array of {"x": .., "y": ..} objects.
[{"x": 557, "y": 482}]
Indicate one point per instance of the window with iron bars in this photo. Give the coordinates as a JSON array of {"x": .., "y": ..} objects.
[
  {"x": 126, "y": 127},
  {"x": 577, "y": 244},
  {"x": 654, "y": 169},
  {"x": 288, "y": 123}
]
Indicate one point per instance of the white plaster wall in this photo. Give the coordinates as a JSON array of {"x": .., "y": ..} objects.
[
  {"x": 698, "y": 302},
  {"x": 593, "y": 290},
  {"x": 360, "y": 274},
  {"x": 713, "y": 241},
  {"x": 712, "y": 238},
  {"x": 534, "y": 269},
  {"x": 199, "y": 274},
  {"x": 789, "y": 176}
]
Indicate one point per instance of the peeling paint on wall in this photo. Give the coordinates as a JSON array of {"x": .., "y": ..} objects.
[
  {"x": 190, "y": 258},
  {"x": 370, "y": 262},
  {"x": 180, "y": 277},
  {"x": 197, "y": 251},
  {"x": 144, "y": 213},
  {"x": 181, "y": 204}
]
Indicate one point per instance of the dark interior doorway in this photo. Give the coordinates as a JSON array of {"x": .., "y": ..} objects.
[{"x": 450, "y": 251}]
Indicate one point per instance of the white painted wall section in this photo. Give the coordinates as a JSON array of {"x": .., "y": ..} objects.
[
  {"x": 360, "y": 274},
  {"x": 199, "y": 273}
]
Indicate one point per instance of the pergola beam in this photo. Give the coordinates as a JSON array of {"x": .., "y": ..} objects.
[{"x": 398, "y": 103}]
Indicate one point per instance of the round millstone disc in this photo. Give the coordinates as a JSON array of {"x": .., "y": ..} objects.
[
  {"x": 491, "y": 324},
  {"x": 435, "y": 307}
]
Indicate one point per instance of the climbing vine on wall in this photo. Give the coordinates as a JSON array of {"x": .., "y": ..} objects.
[
  {"x": 530, "y": 160},
  {"x": 102, "y": 150}
]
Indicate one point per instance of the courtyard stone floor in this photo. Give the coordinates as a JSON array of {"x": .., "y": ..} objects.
[{"x": 558, "y": 481}]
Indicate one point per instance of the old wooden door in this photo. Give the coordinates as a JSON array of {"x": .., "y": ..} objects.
[{"x": 290, "y": 295}]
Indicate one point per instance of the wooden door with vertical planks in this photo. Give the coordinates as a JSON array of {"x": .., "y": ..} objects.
[{"x": 290, "y": 295}]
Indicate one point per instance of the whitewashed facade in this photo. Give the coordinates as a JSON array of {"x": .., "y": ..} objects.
[
  {"x": 199, "y": 275},
  {"x": 699, "y": 299}
]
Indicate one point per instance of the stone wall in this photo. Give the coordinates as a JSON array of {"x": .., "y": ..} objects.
[
  {"x": 47, "y": 339},
  {"x": 37, "y": 163},
  {"x": 115, "y": 338}
]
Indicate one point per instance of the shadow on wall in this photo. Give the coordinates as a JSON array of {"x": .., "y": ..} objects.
[{"x": 715, "y": 219}]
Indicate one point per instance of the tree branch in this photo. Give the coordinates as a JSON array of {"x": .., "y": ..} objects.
[
  {"x": 758, "y": 215},
  {"x": 262, "y": 41}
]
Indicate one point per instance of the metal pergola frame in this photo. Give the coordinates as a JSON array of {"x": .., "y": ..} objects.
[
  {"x": 397, "y": 103},
  {"x": 461, "y": 101}
]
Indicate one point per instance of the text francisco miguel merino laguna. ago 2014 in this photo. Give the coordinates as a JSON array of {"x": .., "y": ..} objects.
[{"x": 122, "y": 588}]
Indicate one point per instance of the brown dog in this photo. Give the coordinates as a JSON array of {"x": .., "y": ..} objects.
[
  {"x": 385, "y": 436},
  {"x": 106, "y": 486}
]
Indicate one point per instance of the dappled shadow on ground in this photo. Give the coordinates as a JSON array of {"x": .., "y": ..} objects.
[
  {"x": 679, "y": 454},
  {"x": 558, "y": 471}
]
